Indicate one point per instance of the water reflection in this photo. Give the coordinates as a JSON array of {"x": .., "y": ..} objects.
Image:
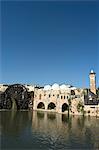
[
  {"x": 47, "y": 130},
  {"x": 77, "y": 131},
  {"x": 14, "y": 122}
]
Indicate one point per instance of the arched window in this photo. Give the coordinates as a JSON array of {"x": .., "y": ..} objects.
[
  {"x": 72, "y": 92},
  {"x": 51, "y": 106},
  {"x": 57, "y": 95},
  {"x": 41, "y": 105},
  {"x": 61, "y": 97}
]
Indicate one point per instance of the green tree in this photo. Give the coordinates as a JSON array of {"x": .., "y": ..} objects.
[{"x": 80, "y": 107}]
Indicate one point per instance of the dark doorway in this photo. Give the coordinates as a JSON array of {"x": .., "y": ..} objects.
[
  {"x": 41, "y": 105},
  {"x": 65, "y": 107},
  {"x": 51, "y": 106}
]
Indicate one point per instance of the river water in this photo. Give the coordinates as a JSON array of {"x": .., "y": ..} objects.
[{"x": 47, "y": 131}]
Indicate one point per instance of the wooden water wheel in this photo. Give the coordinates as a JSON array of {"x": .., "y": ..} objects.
[{"x": 15, "y": 97}]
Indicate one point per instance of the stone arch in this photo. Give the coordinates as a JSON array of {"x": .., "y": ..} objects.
[
  {"x": 40, "y": 105},
  {"x": 51, "y": 105},
  {"x": 65, "y": 107}
]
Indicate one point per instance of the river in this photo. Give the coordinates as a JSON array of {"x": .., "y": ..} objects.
[{"x": 47, "y": 131}]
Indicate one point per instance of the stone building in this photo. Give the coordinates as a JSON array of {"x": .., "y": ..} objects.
[
  {"x": 3, "y": 87},
  {"x": 91, "y": 102},
  {"x": 67, "y": 99},
  {"x": 58, "y": 98}
]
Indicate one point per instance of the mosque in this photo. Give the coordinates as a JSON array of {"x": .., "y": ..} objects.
[
  {"x": 68, "y": 99},
  {"x": 55, "y": 98}
]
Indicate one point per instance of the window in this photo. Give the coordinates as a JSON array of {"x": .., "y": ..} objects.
[
  {"x": 88, "y": 111},
  {"x": 61, "y": 97},
  {"x": 57, "y": 95},
  {"x": 92, "y": 107},
  {"x": 72, "y": 92},
  {"x": 90, "y": 98},
  {"x": 49, "y": 95},
  {"x": 53, "y": 95},
  {"x": 64, "y": 97}
]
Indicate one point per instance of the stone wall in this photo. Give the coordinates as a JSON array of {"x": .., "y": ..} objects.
[
  {"x": 91, "y": 110},
  {"x": 58, "y": 97}
]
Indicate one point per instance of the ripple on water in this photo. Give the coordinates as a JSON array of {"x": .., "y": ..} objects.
[{"x": 48, "y": 131}]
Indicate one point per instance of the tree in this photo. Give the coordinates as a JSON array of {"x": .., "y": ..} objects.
[
  {"x": 80, "y": 107},
  {"x": 69, "y": 105}
]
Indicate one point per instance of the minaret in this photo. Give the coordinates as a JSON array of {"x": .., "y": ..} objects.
[{"x": 92, "y": 77}]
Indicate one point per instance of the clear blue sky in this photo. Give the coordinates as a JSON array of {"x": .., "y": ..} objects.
[{"x": 47, "y": 42}]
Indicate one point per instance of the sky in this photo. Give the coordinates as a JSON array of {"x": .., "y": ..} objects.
[{"x": 45, "y": 42}]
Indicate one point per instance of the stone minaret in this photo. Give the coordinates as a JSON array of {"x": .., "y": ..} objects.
[{"x": 92, "y": 77}]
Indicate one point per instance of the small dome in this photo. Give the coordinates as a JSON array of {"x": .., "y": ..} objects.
[
  {"x": 55, "y": 86},
  {"x": 68, "y": 86},
  {"x": 47, "y": 87},
  {"x": 92, "y": 71},
  {"x": 63, "y": 87}
]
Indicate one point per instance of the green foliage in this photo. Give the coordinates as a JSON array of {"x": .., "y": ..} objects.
[
  {"x": 85, "y": 92},
  {"x": 69, "y": 101},
  {"x": 80, "y": 107}
]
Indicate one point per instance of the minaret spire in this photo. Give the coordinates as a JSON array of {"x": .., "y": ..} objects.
[{"x": 92, "y": 77}]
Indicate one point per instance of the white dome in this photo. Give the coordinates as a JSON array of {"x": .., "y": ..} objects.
[
  {"x": 55, "y": 86},
  {"x": 47, "y": 87},
  {"x": 68, "y": 86},
  {"x": 91, "y": 71},
  {"x": 63, "y": 87}
]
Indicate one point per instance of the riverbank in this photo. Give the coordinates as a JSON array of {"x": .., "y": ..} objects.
[
  {"x": 54, "y": 111},
  {"x": 66, "y": 112}
]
